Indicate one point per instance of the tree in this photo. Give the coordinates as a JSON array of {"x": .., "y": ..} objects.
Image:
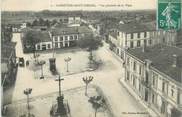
[
  {"x": 97, "y": 102},
  {"x": 30, "y": 39},
  {"x": 41, "y": 22},
  {"x": 90, "y": 43},
  {"x": 54, "y": 22},
  {"x": 35, "y": 22},
  {"x": 47, "y": 23},
  {"x": 87, "y": 80},
  {"x": 6, "y": 33}
]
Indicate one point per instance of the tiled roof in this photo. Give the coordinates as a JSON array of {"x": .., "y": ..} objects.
[
  {"x": 133, "y": 27},
  {"x": 71, "y": 30},
  {"x": 41, "y": 36},
  {"x": 151, "y": 25},
  {"x": 162, "y": 59},
  {"x": 44, "y": 36}
]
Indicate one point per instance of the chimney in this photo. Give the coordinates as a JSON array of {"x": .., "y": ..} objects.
[{"x": 174, "y": 60}]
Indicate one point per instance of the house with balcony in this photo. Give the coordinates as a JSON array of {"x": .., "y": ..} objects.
[{"x": 155, "y": 75}]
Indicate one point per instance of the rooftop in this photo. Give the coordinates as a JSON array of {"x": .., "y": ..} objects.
[
  {"x": 44, "y": 36},
  {"x": 179, "y": 38},
  {"x": 113, "y": 34},
  {"x": 133, "y": 27},
  {"x": 71, "y": 30},
  {"x": 162, "y": 59},
  {"x": 41, "y": 36}
]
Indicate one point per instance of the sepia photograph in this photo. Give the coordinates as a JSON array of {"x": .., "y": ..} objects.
[{"x": 91, "y": 58}]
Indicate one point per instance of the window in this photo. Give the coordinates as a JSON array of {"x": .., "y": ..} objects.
[
  {"x": 153, "y": 81},
  {"x": 138, "y": 43},
  {"x": 139, "y": 87},
  {"x": 55, "y": 38},
  {"x": 61, "y": 38},
  {"x": 150, "y": 42},
  {"x": 138, "y": 35},
  {"x": 172, "y": 92},
  {"x": 163, "y": 40},
  {"x": 128, "y": 75},
  {"x": 134, "y": 81},
  {"x": 49, "y": 46},
  {"x": 66, "y": 38},
  {"x": 71, "y": 37},
  {"x": 56, "y": 45},
  {"x": 134, "y": 66},
  {"x": 147, "y": 77},
  {"x": 145, "y": 34},
  {"x": 140, "y": 69},
  {"x": 38, "y": 47},
  {"x": 128, "y": 61},
  {"x": 131, "y": 44},
  {"x": 163, "y": 86},
  {"x": 153, "y": 98},
  {"x": 131, "y": 35},
  {"x": 75, "y": 37}
]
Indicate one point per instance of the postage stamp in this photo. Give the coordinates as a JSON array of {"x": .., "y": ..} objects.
[{"x": 169, "y": 14}]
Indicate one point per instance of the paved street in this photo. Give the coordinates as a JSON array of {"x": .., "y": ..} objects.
[
  {"x": 106, "y": 77},
  {"x": 72, "y": 97}
]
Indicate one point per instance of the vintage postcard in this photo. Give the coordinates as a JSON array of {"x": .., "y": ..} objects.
[{"x": 91, "y": 58}]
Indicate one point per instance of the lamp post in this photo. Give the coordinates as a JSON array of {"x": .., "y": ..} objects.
[
  {"x": 67, "y": 60},
  {"x": 87, "y": 80},
  {"x": 27, "y": 92},
  {"x": 42, "y": 62}
]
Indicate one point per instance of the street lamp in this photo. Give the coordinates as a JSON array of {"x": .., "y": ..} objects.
[
  {"x": 87, "y": 80},
  {"x": 27, "y": 92},
  {"x": 67, "y": 60},
  {"x": 41, "y": 63}
]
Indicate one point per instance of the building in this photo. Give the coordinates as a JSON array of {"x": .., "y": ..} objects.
[
  {"x": 53, "y": 38},
  {"x": 130, "y": 35},
  {"x": 16, "y": 28},
  {"x": 8, "y": 64},
  {"x": 45, "y": 41},
  {"x": 66, "y": 37},
  {"x": 155, "y": 74},
  {"x": 179, "y": 38},
  {"x": 71, "y": 20},
  {"x": 136, "y": 35}
]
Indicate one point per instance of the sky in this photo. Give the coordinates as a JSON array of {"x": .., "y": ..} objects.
[{"x": 37, "y": 5}]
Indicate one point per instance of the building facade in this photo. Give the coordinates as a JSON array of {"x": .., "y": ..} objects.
[
  {"x": 67, "y": 37},
  {"x": 71, "y": 20},
  {"x": 155, "y": 74},
  {"x": 8, "y": 63},
  {"x": 133, "y": 35}
]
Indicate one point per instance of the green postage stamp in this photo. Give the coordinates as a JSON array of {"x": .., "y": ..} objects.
[{"x": 169, "y": 14}]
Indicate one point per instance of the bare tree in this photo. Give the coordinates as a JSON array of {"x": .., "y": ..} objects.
[{"x": 87, "y": 80}]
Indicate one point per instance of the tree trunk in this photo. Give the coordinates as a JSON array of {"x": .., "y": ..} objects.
[
  {"x": 95, "y": 112},
  {"x": 86, "y": 89},
  {"x": 90, "y": 57}
]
